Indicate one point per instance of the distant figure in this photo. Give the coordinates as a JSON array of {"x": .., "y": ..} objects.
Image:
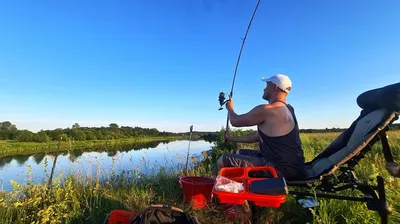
[{"x": 277, "y": 132}]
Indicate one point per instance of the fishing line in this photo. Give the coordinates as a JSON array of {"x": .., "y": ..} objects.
[
  {"x": 222, "y": 95},
  {"x": 241, "y": 48}
]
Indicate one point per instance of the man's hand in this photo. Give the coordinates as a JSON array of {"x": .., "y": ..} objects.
[
  {"x": 229, "y": 104},
  {"x": 228, "y": 137}
]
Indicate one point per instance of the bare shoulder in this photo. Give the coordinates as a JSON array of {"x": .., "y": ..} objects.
[
  {"x": 273, "y": 108},
  {"x": 265, "y": 109},
  {"x": 270, "y": 107}
]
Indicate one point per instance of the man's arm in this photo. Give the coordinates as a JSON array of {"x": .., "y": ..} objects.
[
  {"x": 249, "y": 138},
  {"x": 254, "y": 117}
]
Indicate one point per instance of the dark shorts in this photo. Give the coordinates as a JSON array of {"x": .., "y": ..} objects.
[{"x": 243, "y": 158}]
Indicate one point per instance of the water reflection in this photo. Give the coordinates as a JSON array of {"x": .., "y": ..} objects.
[
  {"x": 5, "y": 160},
  {"x": 38, "y": 158},
  {"x": 73, "y": 155},
  {"x": 21, "y": 159},
  {"x": 148, "y": 157}
]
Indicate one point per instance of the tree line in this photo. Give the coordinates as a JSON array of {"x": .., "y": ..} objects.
[
  {"x": 9, "y": 131},
  {"x": 327, "y": 130}
]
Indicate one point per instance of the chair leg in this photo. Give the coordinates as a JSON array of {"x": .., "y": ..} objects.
[
  {"x": 380, "y": 204},
  {"x": 374, "y": 196},
  {"x": 385, "y": 209}
]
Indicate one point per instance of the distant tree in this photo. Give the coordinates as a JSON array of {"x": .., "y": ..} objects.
[
  {"x": 126, "y": 131},
  {"x": 41, "y": 136},
  {"x": 153, "y": 132},
  {"x": 24, "y": 136},
  {"x": 5, "y": 125},
  {"x": 78, "y": 135},
  {"x": 108, "y": 137},
  {"x": 8, "y": 131},
  {"x": 90, "y": 135},
  {"x": 113, "y": 126},
  {"x": 56, "y": 134},
  {"x": 76, "y": 126},
  {"x": 99, "y": 135},
  {"x": 65, "y": 137}
]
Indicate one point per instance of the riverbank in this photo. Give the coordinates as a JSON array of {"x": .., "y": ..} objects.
[
  {"x": 13, "y": 148},
  {"x": 80, "y": 200}
]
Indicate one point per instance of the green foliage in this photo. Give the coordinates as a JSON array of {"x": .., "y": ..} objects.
[
  {"x": 25, "y": 136},
  {"x": 76, "y": 126},
  {"x": 78, "y": 134},
  {"x": 90, "y": 135},
  {"x": 40, "y": 204},
  {"x": 9, "y": 131},
  {"x": 114, "y": 126},
  {"x": 89, "y": 200},
  {"x": 56, "y": 134},
  {"x": 41, "y": 136}
]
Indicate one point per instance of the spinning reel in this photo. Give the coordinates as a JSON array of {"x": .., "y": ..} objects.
[{"x": 222, "y": 100}]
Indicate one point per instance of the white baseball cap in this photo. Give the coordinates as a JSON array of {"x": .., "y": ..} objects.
[{"x": 282, "y": 81}]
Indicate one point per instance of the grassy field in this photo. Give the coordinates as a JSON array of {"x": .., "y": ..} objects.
[
  {"x": 83, "y": 200},
  {"x": 11, "y": 148}
]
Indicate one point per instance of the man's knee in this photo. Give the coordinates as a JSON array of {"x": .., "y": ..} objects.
[
  {"x": 247, "y": 152},
  {"x": 220, "y": 162},
  {"x": 228, "y": 160}
]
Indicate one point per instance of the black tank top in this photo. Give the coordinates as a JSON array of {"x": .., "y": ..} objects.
[{"x": 285, "y": 152}]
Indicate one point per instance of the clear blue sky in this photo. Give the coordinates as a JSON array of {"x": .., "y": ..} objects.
[{"x": 162, "y": 63}]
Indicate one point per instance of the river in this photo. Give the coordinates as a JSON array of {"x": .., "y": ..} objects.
[{"x": 142, "y": 159}]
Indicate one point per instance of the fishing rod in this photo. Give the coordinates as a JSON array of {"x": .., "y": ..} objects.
[
  {"x": 187, "y": 157},
  {"x": 54, "y": 164},
  {"x": 221, "y": 99}
]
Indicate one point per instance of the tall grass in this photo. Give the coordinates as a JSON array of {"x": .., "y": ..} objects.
[{"x": 79, "y": 199}]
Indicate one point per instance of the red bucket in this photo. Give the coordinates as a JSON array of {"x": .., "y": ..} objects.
[{"x": 197, "y": 190}]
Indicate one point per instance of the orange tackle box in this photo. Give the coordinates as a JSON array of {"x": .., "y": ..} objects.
[{"x": 260, "y": 185}]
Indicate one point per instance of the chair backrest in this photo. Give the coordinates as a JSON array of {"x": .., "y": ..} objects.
[
  {"x": 351, "y": 142},
  {"x": 387, "y": 97},
  {"x": 380, "y": 108}
]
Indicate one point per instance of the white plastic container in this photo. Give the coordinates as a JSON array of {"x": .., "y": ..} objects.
[{"x": 228, "y": 185}]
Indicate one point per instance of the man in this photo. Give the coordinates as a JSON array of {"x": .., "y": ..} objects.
[{"x": 277, "y": 132}]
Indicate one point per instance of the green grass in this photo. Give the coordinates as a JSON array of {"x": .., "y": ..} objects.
[
  {"x": 12, "y": 148},
  {"x": 83, "y": 200}
]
